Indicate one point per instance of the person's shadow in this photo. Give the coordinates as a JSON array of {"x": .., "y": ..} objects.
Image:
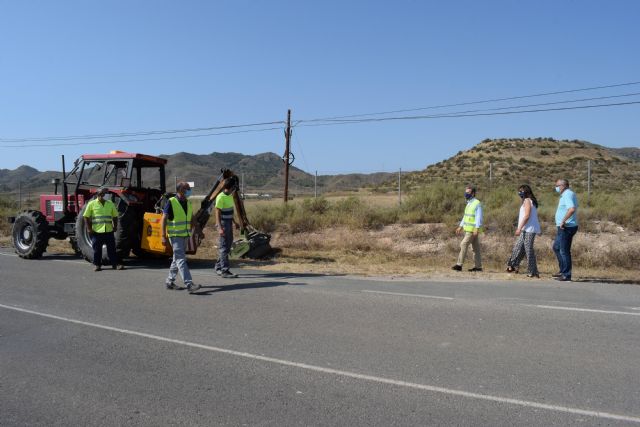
[{"x": 212, "y": 289}]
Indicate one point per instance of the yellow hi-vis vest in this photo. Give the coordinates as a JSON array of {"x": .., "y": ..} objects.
[
  {"x": 469, "y": 221},
  {"x": 101, "y": 215},
  {"x": 180, "y": 226}
]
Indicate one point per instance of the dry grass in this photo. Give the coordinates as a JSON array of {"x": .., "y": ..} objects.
[{"x": 371, "y": 235}]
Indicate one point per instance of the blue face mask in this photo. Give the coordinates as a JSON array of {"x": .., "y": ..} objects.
[
  {"x": 521, "y": 194},
  {"x": 557, "y": 189},
  {"x": 468, "y": 196},
  {"x": 187, "y": 193}
]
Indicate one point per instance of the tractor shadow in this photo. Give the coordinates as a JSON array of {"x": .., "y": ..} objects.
[{"x": 212, "y": 289}]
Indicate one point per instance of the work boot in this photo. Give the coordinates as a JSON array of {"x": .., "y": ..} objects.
[
  {"x": 192, "y": 287},
  {"x": 457, "y": 267},
  {"x": 97, "y": 268},
  {"x": 228, "y": 275},
  {"x": 474, "y": 269}
]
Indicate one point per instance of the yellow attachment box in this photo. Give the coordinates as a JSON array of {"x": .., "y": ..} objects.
[{"x": 151, "y": 235}]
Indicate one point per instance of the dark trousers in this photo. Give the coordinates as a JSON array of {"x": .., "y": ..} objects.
[
  {"x": 224, "y": 246},
  {"x": 99, "y": 239},
  {"x": 562, "y": 249}
]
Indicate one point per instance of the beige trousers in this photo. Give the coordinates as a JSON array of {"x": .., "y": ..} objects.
[{"x": 474, "y": 241}]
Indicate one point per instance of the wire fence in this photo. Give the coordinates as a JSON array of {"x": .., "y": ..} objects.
[{"x": 584, "y": 177}]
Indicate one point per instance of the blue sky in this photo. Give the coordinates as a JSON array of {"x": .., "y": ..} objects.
[{"x": 91, "y": 67}]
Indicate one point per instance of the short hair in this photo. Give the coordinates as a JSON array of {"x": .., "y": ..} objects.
[
  {"x": 471, "y": 187},
  {"x": 564, "y": 182},
  {"x": 227, "y": 184},
  {"x": 102, "y": 190},
  {"x": 182, "y": 185}
]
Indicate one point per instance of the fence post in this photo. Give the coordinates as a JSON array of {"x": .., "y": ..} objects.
[
  {"x": 400, "y": 187},
  {"x": 588, "y": 180}
]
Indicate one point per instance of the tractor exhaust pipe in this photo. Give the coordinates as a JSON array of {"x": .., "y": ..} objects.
[{"x": 65, "y": 196}]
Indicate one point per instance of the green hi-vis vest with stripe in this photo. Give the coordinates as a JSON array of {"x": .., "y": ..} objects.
[
  {"x": 101, "y": 215},
  {"x": 225, "y": 203},
  {"x": 470, "y": 216},
  {"x": 180, "y": 226}
]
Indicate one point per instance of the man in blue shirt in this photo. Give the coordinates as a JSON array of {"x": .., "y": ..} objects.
[{"x": 567, "y": 226}]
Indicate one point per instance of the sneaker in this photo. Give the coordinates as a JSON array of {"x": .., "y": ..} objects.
[
  {"x": 218, "y": 272},
  {"x": 556, "y": 275},
  {"x": 170, "y": 285},
  {"x": 120, "y": 267},
  {"x": 191, "y": 288},
  {"x": 563, "y": 279},
  {"x": 457, "y": 267},
  {"x": 512, "y": 270},
  {"x": 228, "y": 275},
  {"x": 97, "y": 268},
  {"x": 537, "y": 276},
  {"x": 475, "y": 269}
]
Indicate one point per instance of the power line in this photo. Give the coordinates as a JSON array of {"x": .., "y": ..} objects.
[
  {"x": 520, "y": 106},
  {"x": 458, "y": 115},
  {"x": 141, "y": 133},
  {"x": 137, "y": 140},
  {"x": 473, "y": 102}
]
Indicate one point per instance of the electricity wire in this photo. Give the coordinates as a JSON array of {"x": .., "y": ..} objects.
[
  {"x": 142, "y": 133},
  {"x": 138, "y": 140},
  {"x": 475, "y": 102}
]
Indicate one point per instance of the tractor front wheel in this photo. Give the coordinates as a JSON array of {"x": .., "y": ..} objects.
[{"x": 30, "y": 234}]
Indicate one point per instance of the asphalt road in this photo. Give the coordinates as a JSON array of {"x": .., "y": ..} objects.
[{"x": 116, "y": 348}]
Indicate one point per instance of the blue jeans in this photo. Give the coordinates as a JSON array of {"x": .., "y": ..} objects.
[
  {"x": 224, "y": 246},
  {"x": 562, "y": 249},
  {"x": 179, "y": 262}
]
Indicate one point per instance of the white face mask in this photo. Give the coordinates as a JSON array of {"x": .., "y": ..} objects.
[{"x": 558, "y": 189}]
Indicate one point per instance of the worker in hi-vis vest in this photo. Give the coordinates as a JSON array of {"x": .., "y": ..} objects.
[
  {"x": 471, "y": 225},
  {"x": 176, "y": 226},
  {"x": 101, "y": 219},
  {"x": 225, "y": 222}
]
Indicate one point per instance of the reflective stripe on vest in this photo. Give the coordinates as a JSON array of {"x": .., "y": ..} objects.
[
  {"x": 227, "y": 202},
  {"x": 470, "y": 216},
  {"x": 226, "y": 214},
  {"x": 101, "y": 218},
  {"x": 180, "y": 226}
]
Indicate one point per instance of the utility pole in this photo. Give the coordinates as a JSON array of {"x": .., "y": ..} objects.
[
  {"x": 315, "y": 185},
  {"x": 287, "y": 139},
  {"x": 242, "y": 185},
  {"x": 175, "y": 184},
  {"x": 20, "y": 195},
  {"x": 399, "y": 187}
]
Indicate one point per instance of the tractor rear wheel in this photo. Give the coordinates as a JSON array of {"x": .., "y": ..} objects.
[
  {"x": 127, "y": 235},
  {"x": 82, "y": 238},
  {"x": 30, "y": 234}
]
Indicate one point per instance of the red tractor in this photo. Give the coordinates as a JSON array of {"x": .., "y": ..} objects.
[{"x": 136, "y": 184}]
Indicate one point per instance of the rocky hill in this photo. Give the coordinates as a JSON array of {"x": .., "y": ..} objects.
[
  {"x": 261, "y": 173},
  {"x": 537, "y": 161}
]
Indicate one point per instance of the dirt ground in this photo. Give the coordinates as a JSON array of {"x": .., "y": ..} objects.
[{"x": 427, "y": 251}]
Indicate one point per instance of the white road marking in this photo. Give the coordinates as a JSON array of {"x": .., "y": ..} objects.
[
  {"x": 347, "y": 374},
  {"x": 407, "y": 295},
  {"x": 588, "y": 310}
]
